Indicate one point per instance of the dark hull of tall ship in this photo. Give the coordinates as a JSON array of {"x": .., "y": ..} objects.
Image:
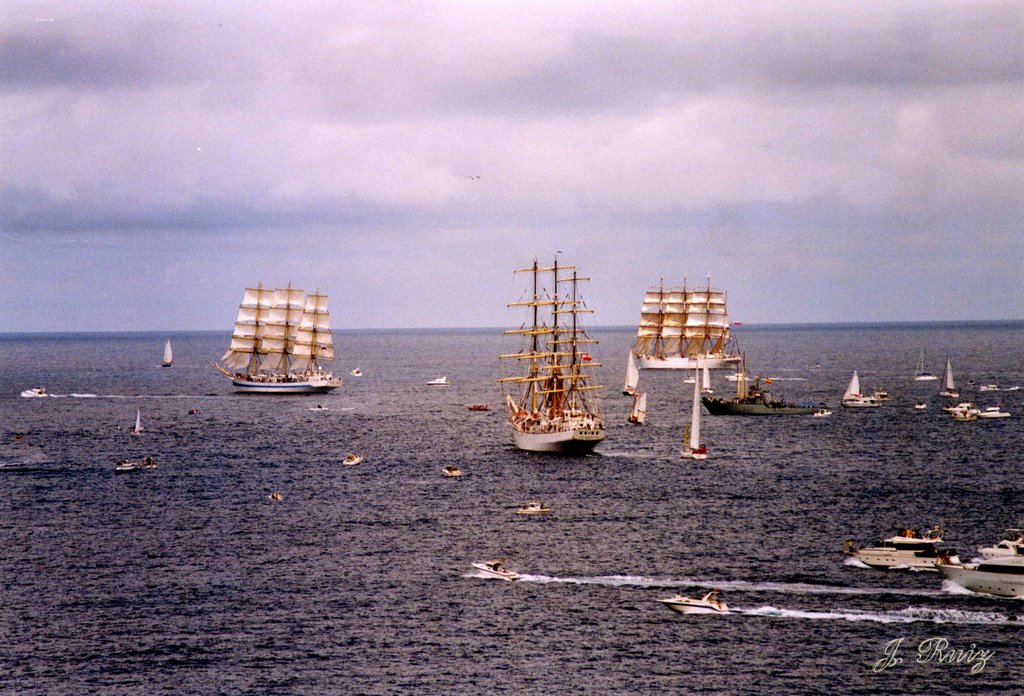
[{"x": 752, "y": 407}]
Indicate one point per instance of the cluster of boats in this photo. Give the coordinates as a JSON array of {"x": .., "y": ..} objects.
[{"x": 1000, "y": 572}]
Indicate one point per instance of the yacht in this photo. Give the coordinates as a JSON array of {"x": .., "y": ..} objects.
[
  {"x": 708, "y": 604},
  {"x": 964, "y": 411},
  {"x": 852, "y": 398},
  {"x": 1003, "y": 577},
  {"x": 1012, "y": 544},
  {"x": 496, "y": 569},
  {"x": 908, "y": 549},
  {"x": 993, "y": 412}
]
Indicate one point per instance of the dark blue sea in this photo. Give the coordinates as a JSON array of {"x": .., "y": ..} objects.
[{"x": 189, "y": 579}]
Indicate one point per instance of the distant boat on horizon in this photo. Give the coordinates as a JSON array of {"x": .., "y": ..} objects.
[{"x": 168, "y": 354}]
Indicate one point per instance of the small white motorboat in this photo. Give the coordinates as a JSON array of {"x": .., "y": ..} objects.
[
  {"x": 881, "y": 395},
  {"x": 988, "y": 387},
  {"x": 356, "y": 372},
  {"x": 964, "y": 411},
  {"x": 275, "y": 496},
  {"x": 533, "y": 508},
  {"x": 439, "y": 382},
  {"x": 496, "y": 569},
  {"x": 351, "y": 459},
  {"x": 708, "y": 604},
  {"x": 124, "y": 465},
  {"x": 318, "y": 407},
  {"x": 993, "y": 412},
  {"x": 452, "y": 471},
  {"x": 822, "y": 413},
  {"x": 920, "y": 406},
  {"x": 34, "y": 392}
]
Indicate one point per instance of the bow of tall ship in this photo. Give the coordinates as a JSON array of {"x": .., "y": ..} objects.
[
  {"x": 280, "y": 339},
  {"x": 554, "y": 407},
  {"x": 680, "y": 327}
]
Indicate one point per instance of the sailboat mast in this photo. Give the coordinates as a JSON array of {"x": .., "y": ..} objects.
[{"x": 534, "y": 340}]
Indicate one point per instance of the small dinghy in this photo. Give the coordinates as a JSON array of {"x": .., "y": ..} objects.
[
  {"x": 351, "y": 459},
  {"x": 452, "y": 471},
  {"x": 496, "y": 569}
]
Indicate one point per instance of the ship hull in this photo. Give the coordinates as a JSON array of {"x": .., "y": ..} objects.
[
  {"x": 678, "y": 362},
  {"x": 717, "y": 407},
  {"x": 299, "y": 386},
  {"x": 1001, "y": 584},
  {"x": 576, "y": 441}
]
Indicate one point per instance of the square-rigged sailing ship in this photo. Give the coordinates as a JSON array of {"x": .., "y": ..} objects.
[
  {"x": 555, "y": 408},
  {"x": 280, "y": 338}
]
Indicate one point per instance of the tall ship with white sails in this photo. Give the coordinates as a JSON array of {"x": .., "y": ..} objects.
[
  {"x": 680, "y": 327},
  {"x": 555, "y": 407},
  {"x": 280, "y": 338}
]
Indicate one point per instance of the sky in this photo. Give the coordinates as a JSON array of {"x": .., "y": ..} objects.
[{"x": 820, "y": 161}]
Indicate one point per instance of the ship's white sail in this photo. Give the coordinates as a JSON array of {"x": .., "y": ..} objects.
[
  {"x": 632, "y": 375},
  {"x": 948, "y": 385},
  {"x": 638, "y": 414},
  {"x": 168, "y": 354},
  {"x": 853, "y": 388},
  {"x": 556, "y": 409},
  {"x": 679, "y": 327},
  {"x": 705, "y": 385},
  {"x": 137, "y": 428},
  {"x": 693, "y": 447},
  {"x": 279, "y": 339}
]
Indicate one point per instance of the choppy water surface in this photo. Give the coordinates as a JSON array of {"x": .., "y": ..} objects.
[{"x": 188, "y": 578}]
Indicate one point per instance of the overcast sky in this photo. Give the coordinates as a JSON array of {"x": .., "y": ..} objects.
[{"x": 822, "y": 161}]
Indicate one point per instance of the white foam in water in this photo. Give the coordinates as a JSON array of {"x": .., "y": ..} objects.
[{"x": 908, "y": 615}]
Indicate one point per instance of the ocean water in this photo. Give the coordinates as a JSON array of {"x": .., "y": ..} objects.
[{"x": 189, "y": 579}]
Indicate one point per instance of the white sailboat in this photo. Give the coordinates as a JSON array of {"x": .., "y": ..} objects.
[
  {"x": 852, "y": 398},
  {"x": 693, "y": 447},
  {"x": 632, "y": 375},
  {"x": 168, "y": 355},
  {"x": 680, "y": 327},
  {"x": 705, "y": 385},
  {"x": 920, "y": 375},
  {"x": 556, "y": 411},
  {"x": 280, "y": 338},
  {"x": 137, "y": 428},
  {"x": 948, "y": 385},
  {"x": 638, "y": 414}
]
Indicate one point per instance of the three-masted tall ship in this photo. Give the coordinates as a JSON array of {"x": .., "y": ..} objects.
[
  {"x": 681, "y": 327},
  {"x": 280, "y": 338},
  {"x": 555, "y": 408}
]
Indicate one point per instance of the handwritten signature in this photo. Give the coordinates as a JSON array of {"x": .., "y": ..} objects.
[{"x": 935, "y": 650}]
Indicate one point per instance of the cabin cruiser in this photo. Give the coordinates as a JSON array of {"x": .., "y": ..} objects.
[
  {"x": 496, "y": 569},
  {"x": 708, "y": 604},
  {"x": 351, "y": 459},
  {"x": 34, "y": 392},
  {"x": 1003, "y": 577},
  {"x": 964, "y": 411},
  {"x": 1012, "y": 544},
  {"x": 908, "y": 549},
  {"x": 993, "y": 412},
  {"x": 533, "y": 508}
]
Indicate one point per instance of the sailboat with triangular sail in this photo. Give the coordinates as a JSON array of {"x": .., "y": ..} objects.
[
  {"x": 920, "y": 375},
  {"x": 168, "y": 354},
  {"x": 852, "y": 398},
  {"x": 705, "y": 385},
  {"x": 137, "y": 428},
  {"x": 948, "y": 385},
  {"x": 693, "y": 448},
  {"x": 638, "y": 414},
  {"x": 632, "y": 375}
]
